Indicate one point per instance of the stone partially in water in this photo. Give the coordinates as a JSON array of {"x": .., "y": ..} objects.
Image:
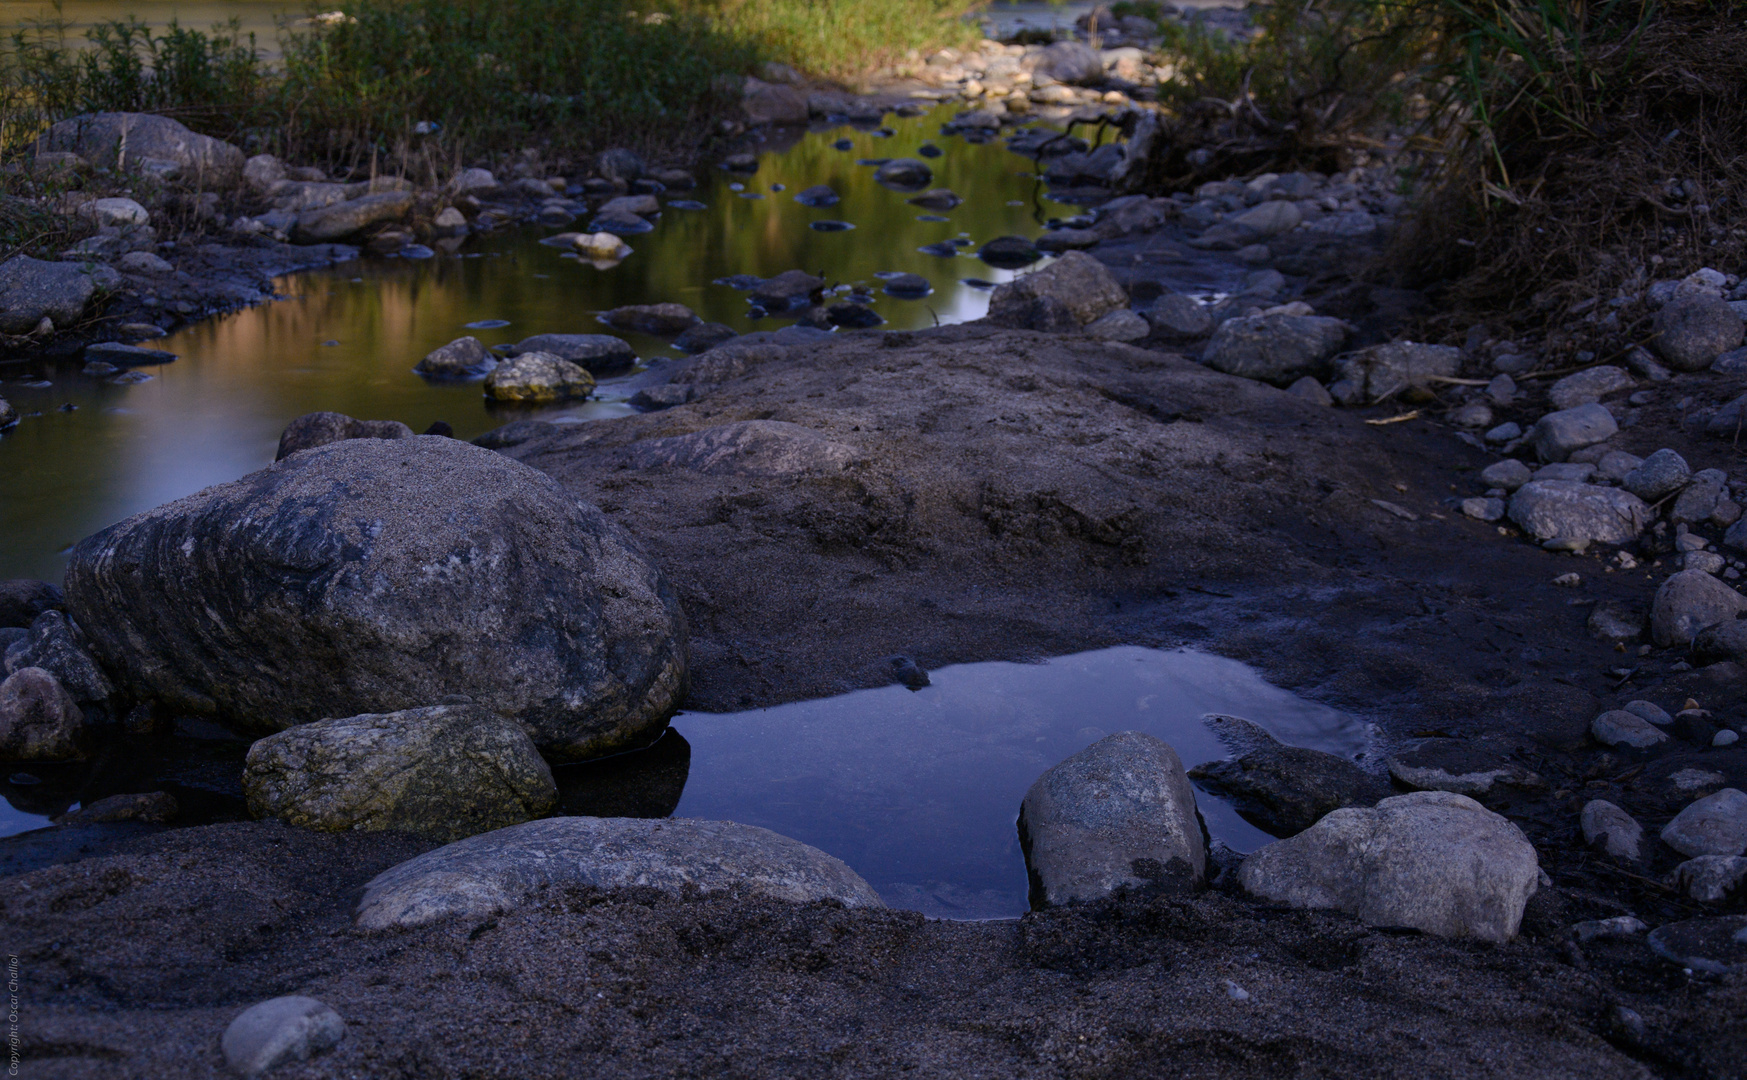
[
  {"x": 319, "y": 429},
  {"x": 853, "y": 316},
  {"x": 598, "y": 354},
  {"x": 1084, "y": 287},
  {"x": 281, "y": 1029},
  {"x": 657, "y": 320},
  {"x": 1007, "y": 252},
  {"x": 830, "y": 226},
  {"x": 499, "y": 871},
  {"x": 1433, "y": 860},
  {"x": 1281, "y": 789},
  {"x": 445, "y": 771},
  {"x": 937, "y": 199},
  {"x": 152, "y": 807},
  {"x": 39, "y": 720},
  {"x": 384, "y": 575},
  {"x": 908, "y": 286},
  {"x": 1120, "y": 814},
  {"x": 904, "y": 174},
  {"x": 817, "y": 195},
  {"x": 536, "y": 377},
  {"x": 789, "y": 289},
  {"x": 703, "y": 337},
  {"x": 463, "y": 358}
]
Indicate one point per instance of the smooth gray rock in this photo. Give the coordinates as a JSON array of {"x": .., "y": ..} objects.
[
  {"x": 344, "y": 220},
  {"x": 154, "y": 144},
  {"x": 1484, "y": 509},
  {"x": 1662, "y": 474},
  {"x": 537, "y": 378},
  {"x": 281, "y": 1029},
  {"x": 1314, "y": 392},
  {"x": 746, "y": 448},
  {"x": 1697, "y": 501},
  {"x": 618, "y": 163},
  {"x": 1383, "y": 371},
  {"x": 23, "y": 599},
  {"x": 499, "y": 871},
  {"x": 319, "y": 429},
  {"x": 383, "y": 575},
  {"x": 1689, "y": 602},
  {"x": 1711, "y": 878},
  {"x": 1714, "y": 944},
  {"x": 1457, "y": 765},
  {"x": 1068, "y": 62},
  {"x": 1119, "y": 814},
  {"x": 1176, "y": 319},
  {"x": 1588, "y": 387},
  {"x": 1580, "y": 472},
  {"x": 1281, "y": 789},
  {"x": 1713, "y": 825},
  {"x": 1568, "y": 510},
  {"x": 1694, "y": 330},
  {"x": 598, "y": 354},
  {"x": 1556, "y": 435},
  {"x": 1618, "y": 727},
  {"x": 1617, "y": 831},
  {"x": 904, "y": 174},
  {"x": 1616, "y": 465},
  {"x": 32, "y": 290},
  {"x": 1433, "y": 860},
  {"x": 1119, "y": 325},
  {"x": 1276, "y": 349},
  {"x": 1650, "y": 711},
  {"x": 1508, "y": 474},
  {"x": 56, "y": 644},
  {"x": 443, "y": 771},
  {"x": 39, "y": 720},
  {"x": 1268, "y": 219},
  {"x": 658, "y": 320},
  {"x": 463, "y": 358},
  {"x": 1082, "y": 285}
]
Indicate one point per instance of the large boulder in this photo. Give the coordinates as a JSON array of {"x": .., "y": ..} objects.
[
  {"x": 498, "y": 871},
  {"x": 1278, "y": 349},
  {"x": 1433, "y": 860},
  {"x": 1571, "y": 510},
  {"x": 39, "y": 720},
  {"x": 598, "y": 354},
  {"x": 1079, "y": 283},
  {"x": 1119, "y": 814},
  {"x": 1690, "y": 602},
  {"x": 378, "y": 575},
  {"x": 1695, "y": 329},
  {"x": 153, "y": 144},
  {"x": 1282, "y": 789},
  {"x": 445, "y": 771},
  {"x": 32, "y": 290},
  {"x": 536, "y": 377},
  {"x": 346, "y": 219},
  {"x": 321, "y": 428},
  {"x": 1383, "y": 371}
]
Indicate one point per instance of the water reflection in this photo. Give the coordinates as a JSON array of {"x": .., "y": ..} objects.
[
  {"x": 919, "y": 791},
  {"x": 347, "y": 339}
]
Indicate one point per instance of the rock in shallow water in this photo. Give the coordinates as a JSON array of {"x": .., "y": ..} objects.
[
  {"x": 446, "y": 772},
  {"x": 39, "y": 720},
  {"x": 1281, "y": 789},
  {"x": 463, "y": 358},
  {"x": 1120, "y": 814},
  {"x": 281, "y": 1029},
  {"x": 598, "y": 354},
  {"x": 660, "y": 320},
  {"x": 535, "y": 377},
  {"x": 1081, "y": 284},
  {"x": 498, "y": 871},
  {"x": 1434, "y": 861},
  {"x": 384, "y": 575}
]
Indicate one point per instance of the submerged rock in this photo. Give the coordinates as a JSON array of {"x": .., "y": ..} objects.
[
  {"x": 936, "y": 199},
  {"x": 1119, "y": 814},
  {"x": 538, "y": 377},
  {"x": 319, "y": 429},
  {"x": 39, "y": 720},
  {"x": 1004, "y": 252},
  {"x": 1084, "y": 287},
  {"x": 817, "y": 196},
  {"x": 904, "y": 174},
  {"x": 384, "y": 575},
  {"x": 151, "y": 807},
  {"x": 281, "y": 1029},
  {"x": 499, "y": 871},
  {"x": 1433, "y": 860},
  {"x": 444, "y": 771},
  {"x": 704, "y": 336},
  {"x": 789, "y": 289}
]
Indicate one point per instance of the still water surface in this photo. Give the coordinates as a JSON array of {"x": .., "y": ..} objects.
[{"x": 346, "y": 339}]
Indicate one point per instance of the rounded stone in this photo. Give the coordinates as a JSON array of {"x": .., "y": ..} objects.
[
  {"x": 1714, "y": 825},
  {"x": 281, "y": 1029},
  {"x": 463, "y": 358},
  {"x": 383, "y": 575},
  {"x": 535, "y": 377},
  {"x": 1690, "y": 602}
]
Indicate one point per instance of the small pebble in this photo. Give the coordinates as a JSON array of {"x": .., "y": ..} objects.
[{"x": 1236, "y": 992}]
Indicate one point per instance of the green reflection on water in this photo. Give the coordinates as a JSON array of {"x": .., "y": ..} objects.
[{"x": 216, "y": 413}]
